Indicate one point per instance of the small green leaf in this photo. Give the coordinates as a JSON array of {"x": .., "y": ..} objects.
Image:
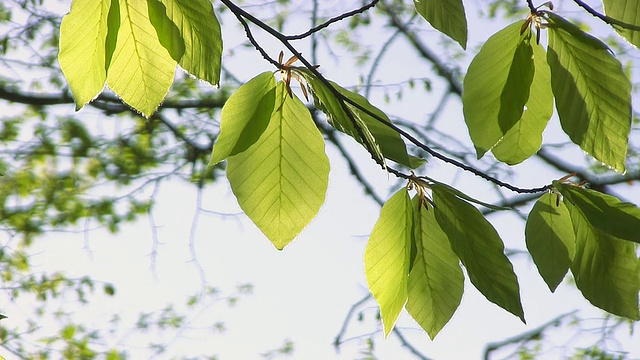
[
  {"x": 380, "y": 139},
  {"x": 525, "y": 137},
  {"x": 83, "y": 55},
  {"x": 141, "y": 69},
  {"x": 497, "y": 85},
  {"x": 245, "y": 116},
  {"x": 386, "y": 257},
  {"x": 593, "y": 95},
  {"x": 627, "y": 11},
  {"x": 604, "y": 212},
  {"x": 447, "y": 16},
  {"x": 109, "y": 289},
  {"x": 281, "y": 180},
  {"x": 200, "y": 30},
  {"x": 550, "y": 239},
  {"x": 68, "y": 332},
  {"x": 606, "y": 269},
  {"x": 464, "y": 196},
  {"x": 436, "y": 282},
  {"x": 480, "y": 249}
]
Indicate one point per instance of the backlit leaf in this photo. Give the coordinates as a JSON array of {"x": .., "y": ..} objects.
[
  {"x": 627, "y": 11},
  {"x": 593, "y": 95},
  {"x": 480, "y": 249},
  {"x": 84, "y": 51},
  {"x": 141, "y": 69},
  {"x": 496, "y": 87},
  {"x": 447, "y": 16},
  {"x": 245, "y": 116},
  {"x": 604, "y": 212},
  {"x": 436, "y": 282},
  {"x": 168, "y": 33},
  {"x": 550, "y": 239},
  {"x": 525, "y": 137},
  {"x": 386, "y": 257},
  {"x": 606, "y": 269},
  {"x": 200, "y": 31},
  {"x": 280, "y": 181}
]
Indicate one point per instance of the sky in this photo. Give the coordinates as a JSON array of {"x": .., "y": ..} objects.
[{"x": 304, "y": 292}]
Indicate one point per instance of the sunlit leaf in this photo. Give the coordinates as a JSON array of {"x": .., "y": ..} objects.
[
  {"x": 245, "y": 116},
  {"x": 525, "y": 137},
  {"x": 480, "y": 249},
  {"x": 496, "y": 87},
  {"x": 606, "y": 269},
  {"x": 464, "y": 196},
  {"x": 379, "y": 138},
  {"x": 168, "y": 33},
  {"x": 436, "y": 282},
  {"x": 447, "y": 16},
  {"x": 550, "y": 239},
  {"x": 604, "y": 212},
  {"x": 280, "y": 181},
  {"x": 199, "y": 29},
  {"x": 386, "y": 257},
  {"x": 593, "y": 95},
  {"x": 84, "y": 51},
  {"x": 627, "y": 11}
]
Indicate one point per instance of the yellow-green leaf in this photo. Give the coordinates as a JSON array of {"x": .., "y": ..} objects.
[
  {"x": 606, "y": 269},
  {"x": 84, "y": 52},
  {"x": 447, "y": 16},
  {"x": 141, "y": 69},
  {"x": 281, "y": 180},
  {"x": 496, "y": 87},
  {"x": 436, "y": 282},
  {"x": 550, "y": 239},
  {"x": 525, "y": 137},
  {"x": 387, "y": 256},
  {"x": 626, "y": 11},
  {"x": 245, "y": 116},
  {"x": 592, "y": 92}
]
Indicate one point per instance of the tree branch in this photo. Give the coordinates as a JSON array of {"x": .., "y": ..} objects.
[
  {"x": 609, "y": 20},
  {"x": 332, "y": 20}
]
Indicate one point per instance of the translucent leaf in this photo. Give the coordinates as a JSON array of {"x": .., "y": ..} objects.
[
  {"x": 199, "y": 29},
  {"x": 460, "y": 194},
  {"x": 627, "y": 11},
  {"x": 379, "y": 138},
  {"x": 525, "y": 137},
  {"x": 168, "y": 33},
  {"x": 84, "y": 51},
  {"x": 550, "y": 239},
  {"x": 141, "y": 69},
  {"x": 436, "y": 282},
  {"x": 447, "y": 16},
  {"x": 281, "y": 180},
  {"x": 496, "y": 87},
  {"x": 606, "y": 269},
  {"x": 480, "y": 249},
  {"x": 604, "y": 212},
  {"x": 386, "y": 257},
  {"x": 593, "y": 95},
  {"x": 245, "y": 116}
]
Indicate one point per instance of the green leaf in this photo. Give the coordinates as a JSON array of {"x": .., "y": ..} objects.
[
  {"x": 464, "y": 196},
  {"x": 593, "y": 95},
  {"x": 141, "y": 69},
  {"x": 604, "y": 212},
  {"x": 200, "y": 31},
  {"x": 68, "y": 332},
  {"x": 436, "y": 282},
  {"x": 525, "y": 137},
  {"x": 627, "y": 11},
  {"x": 168, "y": 33},
  {"x": 380, "y": 139},
  {"x": 606, "y": 269},
  {"x": 496, "y": 87},
  {"x": 386, "y": 257},
  {"x": 550, "y": 239},
  {"x": 84, "y": 50},
  {"x": 480, "y": 249},
  {"x": 245, "y": 116},
  {"x": 447, "y": 16},
  {"x": 281, "y": 180}
]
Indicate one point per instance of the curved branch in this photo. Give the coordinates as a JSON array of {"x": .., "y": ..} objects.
[
  {"x": 332, "y": 20},
  {"x": 609, "y": 20}
]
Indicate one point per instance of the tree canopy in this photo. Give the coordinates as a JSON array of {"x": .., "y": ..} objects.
[{"x": 160, "y": 65}]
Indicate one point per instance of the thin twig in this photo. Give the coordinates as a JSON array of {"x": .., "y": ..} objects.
[
  {"x": 408, "y": 345},
  {"x": 338, "y": 340},
  {"x": 605, "y": 18},
  {"x": 332, "y": 20}
]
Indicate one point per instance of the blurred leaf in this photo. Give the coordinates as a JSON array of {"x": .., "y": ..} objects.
[
  {"x": 593, "y": 95},
  {"x": 447, "y": 16},
  {"x": 550, "y": 239},
  {"x": 386, "y": 257}
]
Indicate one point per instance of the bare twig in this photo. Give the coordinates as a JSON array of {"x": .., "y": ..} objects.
[{"x": 333, "y": 20}]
